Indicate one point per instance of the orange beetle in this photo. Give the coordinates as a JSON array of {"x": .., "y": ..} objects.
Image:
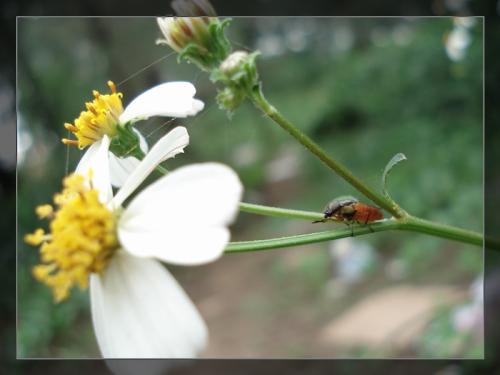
[{"x": 349, "y": 210}]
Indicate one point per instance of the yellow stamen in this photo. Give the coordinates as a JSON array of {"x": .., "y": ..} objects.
[
  {"x": 91, "y": 108},
  {"x": 71, "y": 127},
  {"x": 112, "y": 86},
  {"x": 44, "y": 211},
  {"x": 81, "y": 241},
  {"x": 35, "y": 238},
  {"x": 100, "y": 118},
  {"x": 71, "y": 142}
]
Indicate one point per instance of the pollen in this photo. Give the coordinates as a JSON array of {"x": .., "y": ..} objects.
[
  {"x": 101, "y": 117},
  {"x": 82, "y": 238}
]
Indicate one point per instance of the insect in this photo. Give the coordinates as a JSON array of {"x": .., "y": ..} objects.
[{"x": 349, "y": 210}]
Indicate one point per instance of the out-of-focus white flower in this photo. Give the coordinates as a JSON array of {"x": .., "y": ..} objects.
[
  {"x": 456, "y": 43},
  {"x": 469, "y": 318},
  {"x": 285, "y": 166},
  {"x": 138, "y": 309},
  {"x": 105, "y": 116},
  {"x": 351, "y": 258},
  {"x": 458, "y": 40}
]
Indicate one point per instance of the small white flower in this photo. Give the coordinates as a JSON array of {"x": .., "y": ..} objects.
[
  {"x": 138, "y": 309},
  {"x": 105, "y": 114}
]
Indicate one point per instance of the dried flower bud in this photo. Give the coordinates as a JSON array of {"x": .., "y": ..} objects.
[{"x": 193, "y": 8}]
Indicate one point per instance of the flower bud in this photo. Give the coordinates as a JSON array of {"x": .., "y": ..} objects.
[
  {"x": 238, "y": 72},
  {"x": 198, "y": 39},
  {"x": 230, "y": 99},
  {"x": 232, "y": 64},
  {"x": 238, "y": 69}
]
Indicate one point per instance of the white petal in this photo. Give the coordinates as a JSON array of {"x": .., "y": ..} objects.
[
  {"x": 165, "y": 23},
  {"x": 173, "y": 99},
  {"x": 96, "y": 159},
  {"x": 167, "y": 147},
  {"x": 121, "y": 168},
  {"x": 182, "y": 217},
  {"x": 140, "y": 311},
  {"x": 180, "y": 246}
]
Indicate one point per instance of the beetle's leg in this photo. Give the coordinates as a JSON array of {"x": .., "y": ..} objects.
[
  {"x": 349, "y": 225},
  {"x": 366, "y": 222},
  {"x": 352, "y": 229}
]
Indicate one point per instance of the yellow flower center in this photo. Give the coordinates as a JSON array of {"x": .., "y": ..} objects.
[
  {"x": 82, "y": 238},
  {"x": 101, "y": 117}
]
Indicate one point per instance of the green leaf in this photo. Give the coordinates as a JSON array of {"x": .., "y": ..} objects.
[{"x": 399, "y": 157}]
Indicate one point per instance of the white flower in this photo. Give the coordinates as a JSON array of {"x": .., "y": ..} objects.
[
  {"x": 457, "y": 43},
  {"x": 105, "y": 114},
  {"x": 138, "y": 309}
]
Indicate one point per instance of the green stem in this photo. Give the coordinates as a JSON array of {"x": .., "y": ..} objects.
[
  {"x": 279, "y": 212},
  {"x": 408, "y": 224},
  {"x": 303, "y": 239},
  {"x": 161, "y": 170},
  {"x": 260, "y": 102},
  {"x": 416, "y": 224}
]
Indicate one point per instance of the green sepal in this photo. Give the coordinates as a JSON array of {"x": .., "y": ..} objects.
[
  {"x": 212, "y": 51},
  {"x": 126, "y": 142},
  {"x": 220, "y": 45}
]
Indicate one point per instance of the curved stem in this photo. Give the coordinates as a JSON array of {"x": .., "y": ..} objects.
[{"x": 260, "y": 102}]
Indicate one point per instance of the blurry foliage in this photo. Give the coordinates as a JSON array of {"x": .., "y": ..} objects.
[
  {"x": 390, "y": 89},
  {"x": 441, "y": 340},
  {"x": 309, "y": 272}
]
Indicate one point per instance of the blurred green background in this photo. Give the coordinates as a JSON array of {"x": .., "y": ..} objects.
[{"x": 364, "y": 89}]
